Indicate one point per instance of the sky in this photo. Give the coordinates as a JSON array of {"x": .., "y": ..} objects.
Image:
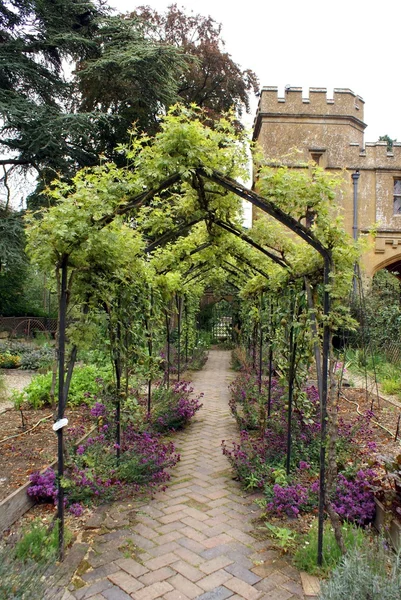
[{"x": 339, "y": 44}]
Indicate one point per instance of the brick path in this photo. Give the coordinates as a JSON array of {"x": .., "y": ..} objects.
[{"x": 194, "y": 540}]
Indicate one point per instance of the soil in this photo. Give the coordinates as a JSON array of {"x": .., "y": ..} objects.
[
  {"x": 28, "y": 443},
  {"x": 355, "y": 401}
]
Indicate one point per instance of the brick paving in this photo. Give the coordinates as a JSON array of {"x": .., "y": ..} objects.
[{"x": 196, "y": 540}]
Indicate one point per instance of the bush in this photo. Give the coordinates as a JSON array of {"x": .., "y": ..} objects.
[
  {"x": 370, "y": 573},
  {"x": 43, "y": 486},
  {"x": 37, "y": 359},
  {"x": 94, "y": 475},
  {"x": 21, "y": 580},
  {"x": 39, "y": 543},
  {"x": 86, "y": 383},
  {"x": 198, "y": 360},
  {"x": 25, "y": 566},
  {"x": 173, "y": 408}
]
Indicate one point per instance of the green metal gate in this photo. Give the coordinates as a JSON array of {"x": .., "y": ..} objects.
[{"x": 222, "y": 321}]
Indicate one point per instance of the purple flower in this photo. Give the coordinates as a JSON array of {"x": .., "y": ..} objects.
[
  {"x": 98, "y": 410},
  {"x": 76, "y": 509},
  {"x": 303, "y": 466}
]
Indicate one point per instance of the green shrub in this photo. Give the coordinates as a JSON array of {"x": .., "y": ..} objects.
[
  {"x": 37, "y": 359},
  {"x": 86, "y": 383},
  {"x": 14, "y": 347},
  {"x": 198, "y": 360},
  {"x": 305, "y": 558},
  {"x": 371, "y": 573}
]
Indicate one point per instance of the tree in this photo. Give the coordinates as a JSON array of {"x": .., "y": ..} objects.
[
  {"x": 37, "y": 129},
  {"x": 390, "y": 141},
  {"x": 131, "y": 80},
  {"x": 57, "y": 123},
  {"x": 213, "y": 81}
]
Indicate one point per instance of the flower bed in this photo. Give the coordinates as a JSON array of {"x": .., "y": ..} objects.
[
  {"x": 258, "y": 459},
  {"x": 100, "y": 470}
]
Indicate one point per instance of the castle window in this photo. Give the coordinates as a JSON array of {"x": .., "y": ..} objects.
[
  {"x": 397, "y": 196},
  {"x": 316, "y": 156}
]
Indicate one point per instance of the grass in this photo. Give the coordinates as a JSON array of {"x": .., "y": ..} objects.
[
  {"x": 388, "y": 374},
  {"x": 305, "y": 558}
]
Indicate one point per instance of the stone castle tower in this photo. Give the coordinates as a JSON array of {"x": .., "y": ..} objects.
[{"x": 331, "y": 132}]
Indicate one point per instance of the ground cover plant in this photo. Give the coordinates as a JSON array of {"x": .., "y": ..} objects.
[
  {"x": 87, "y": 382},
  {"x": 305, "y": 555}
]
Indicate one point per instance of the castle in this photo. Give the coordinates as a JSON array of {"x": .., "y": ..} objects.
[{"x": 331, "y": 133}]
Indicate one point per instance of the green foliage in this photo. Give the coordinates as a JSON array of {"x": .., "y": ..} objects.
[
  {"x": 376, "y": 365},
  {"x": 25, "y": 565},
  {"x": 283, "y": 537},
  {"x": 39, "y": 542},
  {"x": 38, "y": 358},
  {"x": 390, "y": 141},
  {"x": 371, "y": 572},
  {"x": 198, "y": 360},
  {"x": 85, "y": 385},
  {"x": 212, "y": 80},
  {"x": 381, "y": 313},
  {"x": 21, "y": 580},
  {"x": 305, "y": 558}
]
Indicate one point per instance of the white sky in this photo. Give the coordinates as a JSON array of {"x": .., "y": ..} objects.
[{"x": 341, "y": 44}]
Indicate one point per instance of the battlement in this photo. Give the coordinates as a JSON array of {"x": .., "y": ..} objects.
[
  {"x": 375, "y": 156},
  {"x": 344, "y": 103}
]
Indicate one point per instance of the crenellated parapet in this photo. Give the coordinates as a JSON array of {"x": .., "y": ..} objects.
[
  {"x": 374, "y": 155},
  {"x": 344, "y": 102}
]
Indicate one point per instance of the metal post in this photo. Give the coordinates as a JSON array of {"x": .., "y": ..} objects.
[
  {"x": 260, "y": 343},
  {"x": 168, "y": 351},
  {"x": 186, "y": 329},
  {"x": 269, "y": 397},
  {"x": 117, "y": 362},
  {"x": 291, "y": 364},
  {"x": 323, "y": 405},
  {"x": 61, "y": 403},
  {"x": 355, "y": 177},
  {"x": 179, "y": 341}
]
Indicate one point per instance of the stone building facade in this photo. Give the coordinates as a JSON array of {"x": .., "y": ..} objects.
[{"x": 331, "y": 132}]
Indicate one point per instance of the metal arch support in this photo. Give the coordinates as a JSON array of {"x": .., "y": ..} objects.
[
  {"x": 231, "y": 229},
  {"x": 171, "y": 234},
  {"x": 266, "y": 206}
]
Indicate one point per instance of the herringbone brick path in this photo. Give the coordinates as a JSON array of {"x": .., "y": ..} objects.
[{"x": 195, "y": 539}]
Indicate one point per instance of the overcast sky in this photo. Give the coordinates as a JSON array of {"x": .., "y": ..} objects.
[{"x": 345, "y": 44}]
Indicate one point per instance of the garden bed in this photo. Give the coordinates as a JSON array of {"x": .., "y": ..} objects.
[
  {"x": 31, "y": 451},
  {"x": 385, "y": 414}
]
